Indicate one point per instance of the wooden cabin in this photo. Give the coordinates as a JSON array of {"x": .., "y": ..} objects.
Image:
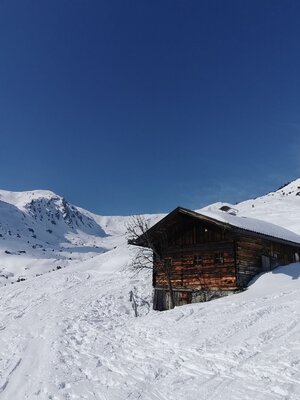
[{"x": 212, "y": 254}]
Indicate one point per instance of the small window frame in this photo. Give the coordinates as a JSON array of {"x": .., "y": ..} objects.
[
  {"x": 219, "y": 258},
  {"x": 198, "y": 260}
]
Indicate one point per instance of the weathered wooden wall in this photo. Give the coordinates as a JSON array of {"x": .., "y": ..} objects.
[
  {"x": 185, "y": 273},
  {"x": 241, "y": 253},
  {"x": 191, "y": 238},
  {"x": 249, "y": 252},
  {"x": 185, "y": 238}
]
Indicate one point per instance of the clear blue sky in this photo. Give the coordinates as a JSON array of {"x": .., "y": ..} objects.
[{"x": 139, "y": 106}]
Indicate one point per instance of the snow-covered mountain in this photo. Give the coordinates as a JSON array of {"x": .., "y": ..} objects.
[
  {"x": 71, "y": 331},
  {"x": 41, "y": 231},
  {"x": 44, "y": 214}
]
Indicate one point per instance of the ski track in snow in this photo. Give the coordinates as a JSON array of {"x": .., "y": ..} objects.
[{"x": 71, "y": 334}]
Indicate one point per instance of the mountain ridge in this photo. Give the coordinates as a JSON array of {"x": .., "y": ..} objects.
[
  {"x": 40, "y": 230},
  {"x": 73, "y": 332}
]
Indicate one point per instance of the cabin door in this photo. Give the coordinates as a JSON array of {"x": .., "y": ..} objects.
[
  {"x": 266, "y": 263},
  {"x": 269, "y": 263}
]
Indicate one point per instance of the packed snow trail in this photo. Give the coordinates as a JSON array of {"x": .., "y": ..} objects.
[
  {"x": 55, "y": 330},
  {"x": 73, "y": 335}
]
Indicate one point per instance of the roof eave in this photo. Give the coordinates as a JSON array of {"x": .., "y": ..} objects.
[{"x": 140, "y": 241}]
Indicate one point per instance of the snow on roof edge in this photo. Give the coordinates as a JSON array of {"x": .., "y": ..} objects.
[{"x": 251, "y": 224}]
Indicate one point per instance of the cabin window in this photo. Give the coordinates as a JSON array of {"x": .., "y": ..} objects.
[
  {"x": 297, "y": 258},
  {"x": 198, "y": 260},
  {"x": 219, "y": 258}
]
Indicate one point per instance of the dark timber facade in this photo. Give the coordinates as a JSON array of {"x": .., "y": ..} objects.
[{"x": 208, "y": 258}]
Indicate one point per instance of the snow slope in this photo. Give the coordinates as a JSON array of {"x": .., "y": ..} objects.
[
  {"x": 281, "y": 207},
  {"x": 72, "y": 334},
  {"x": 40, "y": 232}
]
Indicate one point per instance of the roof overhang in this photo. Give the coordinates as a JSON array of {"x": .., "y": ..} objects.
[{"x": 170, "y": 219}]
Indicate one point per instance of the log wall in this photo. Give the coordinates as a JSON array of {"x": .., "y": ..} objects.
[
  {"x": 216, "y": 271},
  {"x": 228, "y": 260},
  {"x": 249, "y": 252}
]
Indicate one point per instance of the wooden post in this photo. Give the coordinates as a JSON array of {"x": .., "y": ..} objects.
[{"x": 134, "y": 305}]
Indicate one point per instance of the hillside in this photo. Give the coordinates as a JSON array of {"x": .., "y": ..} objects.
[
  {"x": 41, "y": 232},
  {"x": 281, "y": 207},
  {"x": 72, "y": 334}
]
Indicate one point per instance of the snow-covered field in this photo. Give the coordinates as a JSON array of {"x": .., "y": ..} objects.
[{"x": 71, "y": 333}]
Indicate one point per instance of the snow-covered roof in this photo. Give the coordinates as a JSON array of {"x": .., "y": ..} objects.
[
  {"x": 246, "y": 223},
  {"x": 229, "y": 219}
]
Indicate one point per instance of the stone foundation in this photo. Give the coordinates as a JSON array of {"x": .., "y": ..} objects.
[
  {"x": 161, "y": 297},
  {"x": 202, "y": 295}
]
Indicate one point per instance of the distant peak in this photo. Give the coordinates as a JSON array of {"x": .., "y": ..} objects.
[
  {"x": 35, "y": 192},
  {"x": 290, "y": 188},
  {"x": 283, "y": 186},
  {"x": 22, "y": 198}
]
